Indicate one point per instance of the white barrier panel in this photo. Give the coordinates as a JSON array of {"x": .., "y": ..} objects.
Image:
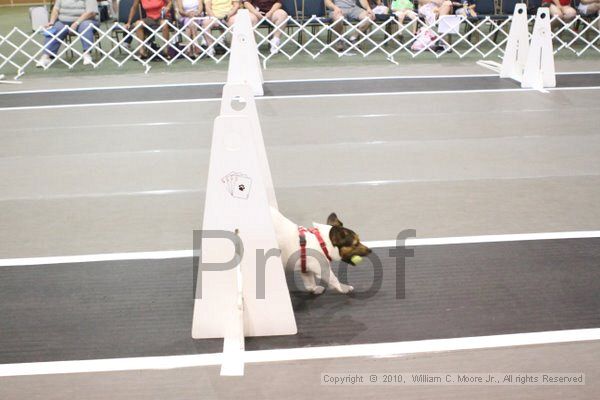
[
  {"x": 517, "y": 46},
  {"x": 244, "y": 64},
  {"x": 531, "y": 64},
  {"x": 237, "y": 200},
  {"x": 230, "y": 90},
  {"x": 539, "y": 69}
]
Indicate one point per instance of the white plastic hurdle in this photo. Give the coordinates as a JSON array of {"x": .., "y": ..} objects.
[
  {"x": 531, "y": 64},
  {"x": 244, "y": 63},
  {"x": 539, "y": 69},
  {"x": 251, "y": 299}
]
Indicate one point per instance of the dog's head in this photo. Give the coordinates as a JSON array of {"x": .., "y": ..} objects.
[{"x": 345, "y": 240}]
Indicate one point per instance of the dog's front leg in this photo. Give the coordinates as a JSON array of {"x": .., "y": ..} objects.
[
  {"x": 308, "y": 278},
  {"x": 333, "y": 282}
]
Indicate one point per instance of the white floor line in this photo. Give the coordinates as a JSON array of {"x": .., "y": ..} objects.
[
  {"x": 309, "y": 96},
  {"x": 95, "y": 88},
  {"x": 164, "y": 85},
  {"x": 375, "y": 78},
  {"x": 169, "y": 254},
  {"x": 518, "y": 237},
  {"x": 376, "y": 350},
  {"x": 108, "y": 104},
  {"x": 85, "y": 258}
]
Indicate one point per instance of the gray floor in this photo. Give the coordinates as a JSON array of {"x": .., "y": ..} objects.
[
  {"x": 287, "y": 88},
  {"x": 301, "y": 380},
  {"x": 92, "y": 311},
  {"x": 130, "y": 178}
]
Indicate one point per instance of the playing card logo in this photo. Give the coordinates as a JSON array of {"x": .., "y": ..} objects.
[{"x": 237, "y": 184}]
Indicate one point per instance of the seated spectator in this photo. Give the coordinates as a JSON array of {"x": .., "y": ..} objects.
[
  {"x": 561, "y": 9},
  {"x": 77, "y": 14},
  {"x": 464, "y": 9},
  {"x": 405, "y": 8},
  {"x": 379, "y": 8},
  {"x": 157, "y": 12},
  {"x": 218, "y": 10},
  {"x": 191, "y": 12},
  {"x": 430, "y": 10},
  {"x": 349, "y": 10},
  {"x": 271, "y": 10},
  {"x": 588, "y": 7}
]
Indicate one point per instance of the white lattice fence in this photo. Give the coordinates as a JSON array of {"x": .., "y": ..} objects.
[{"x": 314, "y": 37}]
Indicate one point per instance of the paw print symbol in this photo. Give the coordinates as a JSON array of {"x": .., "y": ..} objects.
[{"x": 241, "y": 188}]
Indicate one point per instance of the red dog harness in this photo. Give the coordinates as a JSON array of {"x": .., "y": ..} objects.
[{"x": 302, "y": 233}]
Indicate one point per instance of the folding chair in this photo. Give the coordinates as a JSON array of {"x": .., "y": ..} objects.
[
  {"x": 124, "y": 8},
  {"x": 532, "y": 6},
  {"x": 586, "y": 17},
  {"x": 309, "y": 9},
  {"x": 508, "y": 7}
]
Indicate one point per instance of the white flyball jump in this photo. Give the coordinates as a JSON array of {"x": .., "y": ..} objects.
[
  {"x": 249, "y": 297},
  {"x": 244, "y": 63},
  {"x": 530, "y": 63}
]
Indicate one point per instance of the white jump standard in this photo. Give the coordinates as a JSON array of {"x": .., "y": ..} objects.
[
  {"x": 530, "y": 63},
  {"x": 251, "y": 298}
]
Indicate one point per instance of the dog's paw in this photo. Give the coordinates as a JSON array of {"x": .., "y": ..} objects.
[
  {"x": 346, "y": 288},
  {"x": 317, "y": 290}
]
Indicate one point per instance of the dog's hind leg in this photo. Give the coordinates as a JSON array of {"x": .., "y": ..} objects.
[
  {"x": 333, "y": 282},
  {"x": 308, "y": 278}
]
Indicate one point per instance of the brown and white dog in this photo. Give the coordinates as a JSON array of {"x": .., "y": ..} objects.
[{"x": 341, "y": 244}]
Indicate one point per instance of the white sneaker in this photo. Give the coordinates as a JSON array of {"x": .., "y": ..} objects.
[
  {"x": 87, "y": 59},
  {"x": 43, "y": 61},
  {"x": 275, "y": 45}
]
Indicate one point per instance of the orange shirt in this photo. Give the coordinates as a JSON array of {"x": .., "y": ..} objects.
[
  {"x": 153, "y": 7},
  {"x": 562, "y": 2}
]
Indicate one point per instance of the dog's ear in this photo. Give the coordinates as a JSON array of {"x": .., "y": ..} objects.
[
  {"x": 341, "y": 237},
  {"x": 333, "y": 220}
]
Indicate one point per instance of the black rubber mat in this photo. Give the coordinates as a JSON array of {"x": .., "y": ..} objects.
[
  {"x": 302, "y": 88},
  {"x": 144, "y": 308}
]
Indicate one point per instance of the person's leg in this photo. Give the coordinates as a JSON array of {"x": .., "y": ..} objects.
[
  {"x": 279, "y": 19},
  {"x": 52, "y": 45},
  {"x": 415, "y": 19},
  {"x": 569, "y": 13},
  {"x": 208, "y": 24},
  {"x": 193, "y": 33},
  {"x": 400, "y": 16},
  {"x": 253, "y": 19},
  {"x": 589, "y": 7},
  {"x": 429, "y": 13},
  {"x": 337, "y": 24},
  {"x": 593, "y": 8},
  {"x": 555, "y": 11},
  {"x": 445, "y": 8},
  {"x": 365, "y": 17},
  {"x": 86, "y": 30},
  {"x": 231, "y": 20},
  {"x": 166, "y": 34},
  {"x": 141, "y": 35}
]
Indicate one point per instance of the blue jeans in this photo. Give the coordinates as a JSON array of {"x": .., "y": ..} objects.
[{"x": 52, "y": 45}]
